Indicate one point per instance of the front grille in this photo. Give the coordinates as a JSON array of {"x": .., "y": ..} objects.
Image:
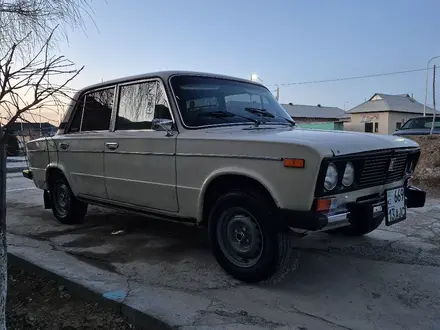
[
  {"x": 371, "y": 169},
  {"x": 376, "y": 167}
]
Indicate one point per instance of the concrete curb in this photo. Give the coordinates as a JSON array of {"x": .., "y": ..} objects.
[
  {"x": 15, "y": 169},
  {"x": 134, "y": 316}
]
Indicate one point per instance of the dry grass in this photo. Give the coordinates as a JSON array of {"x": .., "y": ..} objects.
[{"x": 428, "y": 167}]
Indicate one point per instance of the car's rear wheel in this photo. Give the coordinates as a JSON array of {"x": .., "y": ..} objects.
[
  {"x": 65, "y": 206},
  {"x": 245, "y": 239}
]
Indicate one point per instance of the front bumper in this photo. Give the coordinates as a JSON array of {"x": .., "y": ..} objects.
[{"x": 355, "y": 211}]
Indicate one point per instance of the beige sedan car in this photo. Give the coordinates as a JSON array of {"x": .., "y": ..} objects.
[{"x": 221, "y": 152}]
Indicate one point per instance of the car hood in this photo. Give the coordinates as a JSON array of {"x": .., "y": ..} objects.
[{"x": 326, "y": 142}]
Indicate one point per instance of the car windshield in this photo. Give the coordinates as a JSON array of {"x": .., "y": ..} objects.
[
  {"x": 205, "y": 101},
  {"x": 421, "y": 123}
]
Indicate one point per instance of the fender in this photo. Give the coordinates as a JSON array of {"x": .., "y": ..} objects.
[
  {"x": 233, "y": 170},
  {"x": 60, "y": 167}
]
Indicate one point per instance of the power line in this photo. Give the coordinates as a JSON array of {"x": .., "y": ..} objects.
[{"x": 349, "y": 78}]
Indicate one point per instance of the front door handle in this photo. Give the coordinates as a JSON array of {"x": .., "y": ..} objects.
[
  {"x": 64, "y": 145},
  {"x": 112, "y": 145}
]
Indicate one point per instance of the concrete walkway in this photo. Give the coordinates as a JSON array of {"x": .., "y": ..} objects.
[{"x": 160, "y": 273}]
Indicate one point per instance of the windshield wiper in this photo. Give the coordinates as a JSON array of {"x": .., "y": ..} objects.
[
  {"x": 258, "y": 111},
  {"x": 265, "y": 113},
  {"x": 226, "y": 114}
]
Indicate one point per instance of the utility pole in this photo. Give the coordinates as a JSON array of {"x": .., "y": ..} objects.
[
  {"x": 433, "y": 101},
  {"x": 278, "y": 94},
  {"x": 426, "y": 84}
]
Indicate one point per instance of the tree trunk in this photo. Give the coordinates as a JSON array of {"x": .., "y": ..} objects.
[{"x": 3, "y": 246}]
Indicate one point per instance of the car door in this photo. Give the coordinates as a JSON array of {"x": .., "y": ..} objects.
[
  {"x": 139, "y": 159},
  {"x": 81, "y": 148}
]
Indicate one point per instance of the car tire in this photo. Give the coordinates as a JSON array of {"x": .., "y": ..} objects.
[
  {"x": 65, "y": 206},
  {"x": 357, "y": 229},
  {"x": 245, "y": 240}
]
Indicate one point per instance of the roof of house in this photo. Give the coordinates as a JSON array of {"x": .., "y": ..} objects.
[
  {"x": 313, "y": 111},
  {"x": 27, "y": 126},
  {"x": 386, "y": 102}
]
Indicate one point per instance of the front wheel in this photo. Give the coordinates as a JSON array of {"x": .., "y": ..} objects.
[
  {"x": 246, "y": 241},
  {"x": 65, "y": 206}
]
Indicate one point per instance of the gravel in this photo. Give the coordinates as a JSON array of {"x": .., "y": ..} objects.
[{"x": 36, "y": 303}]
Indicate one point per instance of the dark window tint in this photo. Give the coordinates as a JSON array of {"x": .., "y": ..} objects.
[
  {"x": 75, "y": 126},
  {"x": 139, "y": 104},
  {"x": 98, "y": 110}
]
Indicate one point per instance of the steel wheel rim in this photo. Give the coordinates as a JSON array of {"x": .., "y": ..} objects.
[
  {"x": 62, "y": 198},
  {"x": 240, "y": 237}
]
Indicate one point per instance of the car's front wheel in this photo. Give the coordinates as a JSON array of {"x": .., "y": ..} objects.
[
  {"x": 245, "y": 239},
  {"x": 65, "y": 206}
]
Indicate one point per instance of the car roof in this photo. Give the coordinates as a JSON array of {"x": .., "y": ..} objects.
[{"x": 165, "y": 75}]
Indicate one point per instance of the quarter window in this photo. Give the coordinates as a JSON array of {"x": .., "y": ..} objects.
[
  {"x": 139, "y": 104},
  {"x": 75, "y": 126},
  {"x": 97, "y": 110}
]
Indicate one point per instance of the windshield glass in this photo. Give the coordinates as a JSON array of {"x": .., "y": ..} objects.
[
  {"x": 421, "y": 123},
  {"x": 206, "y": 101}
]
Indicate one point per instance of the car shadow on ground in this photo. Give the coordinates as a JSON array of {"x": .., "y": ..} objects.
[{"x": 109, "y": 239}]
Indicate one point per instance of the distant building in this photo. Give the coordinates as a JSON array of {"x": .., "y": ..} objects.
[
  {"x": 28, "y": 131},
  {"x": 384, "y": 113},
  {"x": 321, "y": 117}
]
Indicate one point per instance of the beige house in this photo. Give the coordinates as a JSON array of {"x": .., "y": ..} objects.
[{"x": 384, "y": 113}]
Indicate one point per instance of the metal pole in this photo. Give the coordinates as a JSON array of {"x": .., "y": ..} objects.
[
  {"x": 278, "y": 93},
  {"x": 426, "y": 84},
  {"x": 433, "y": 101}
]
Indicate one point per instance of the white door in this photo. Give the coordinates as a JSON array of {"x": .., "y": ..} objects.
[
  {"x": 139, "y": 160},
  {"x": 81, "y": 148}
]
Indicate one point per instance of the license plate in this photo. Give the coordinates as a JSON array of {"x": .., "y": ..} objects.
[{"x": 395, "y": 206}]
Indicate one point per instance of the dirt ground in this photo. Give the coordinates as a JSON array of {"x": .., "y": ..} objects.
[{"x": 36, "y": 303}]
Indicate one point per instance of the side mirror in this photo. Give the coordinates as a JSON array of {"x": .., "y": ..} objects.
[{"x": 163, "y": 124}]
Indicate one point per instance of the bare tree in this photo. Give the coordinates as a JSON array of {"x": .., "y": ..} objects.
[
  {"x": 19, "y": 17},
  {"x": 31, "y": 78}
]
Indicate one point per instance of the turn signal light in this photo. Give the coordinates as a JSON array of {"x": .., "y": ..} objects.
[
  {"x": 322, "y": 205},
  {"x": 293, "y": 162}
]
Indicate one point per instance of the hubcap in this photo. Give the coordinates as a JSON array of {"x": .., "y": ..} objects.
[
  {"x": 240, "y": 237},
  {"x": 62, "y": 198}
]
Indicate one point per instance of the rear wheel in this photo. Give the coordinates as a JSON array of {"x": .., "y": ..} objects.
[
  {"x": 245, "y": 239},
  {"x": 65, "y": 206}
]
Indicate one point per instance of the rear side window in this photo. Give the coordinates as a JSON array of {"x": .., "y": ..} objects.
[
  {"x": 139, "y": 104},
  {"x": 98, "y": 108},
  {"x": 93, "y": 111}
]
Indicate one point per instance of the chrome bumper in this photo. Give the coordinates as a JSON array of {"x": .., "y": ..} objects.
[{"x": 343, "y": 219}]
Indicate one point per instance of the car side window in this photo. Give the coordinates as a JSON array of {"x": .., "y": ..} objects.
[
  {"x": 98, "y": 108},
  {"x": 75, "y": 125},
  {"x": 139, "y": 104}
]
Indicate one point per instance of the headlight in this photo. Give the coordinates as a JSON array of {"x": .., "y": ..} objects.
[
  {"x": 331, "y": 177},
  {"x": 348, "y": 178}
]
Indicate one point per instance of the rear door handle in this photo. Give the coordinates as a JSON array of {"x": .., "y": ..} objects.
[
  {"x": 112, "y": 145},
  {"x": 64, "y": 145}
]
